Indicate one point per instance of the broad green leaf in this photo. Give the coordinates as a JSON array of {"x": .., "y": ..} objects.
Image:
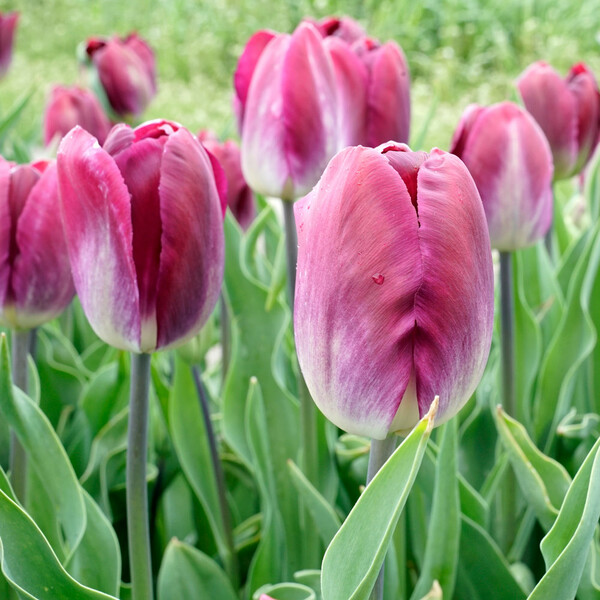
[
  {"x": 566, "y": 546},
  {"x": 483, "y": 572},
  {"x": 29, "y": 563},
  {"x": 354, "y": 557},
  {"x": 286, "y": 591},
  {"x": 543, "y": 481},
  {"x": 188, "y": 574},
  {"x": 46, "y": 455},
  {"x": 443, "y": 540},
  {"x": 191, "y": 440},
  {"x": 323, "y": 515}
]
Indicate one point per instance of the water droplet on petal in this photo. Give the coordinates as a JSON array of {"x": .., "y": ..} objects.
[{"x": 378, "y": 278}]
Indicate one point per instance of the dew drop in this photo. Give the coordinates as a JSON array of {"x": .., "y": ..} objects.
[{"x": 378, "y": 278}]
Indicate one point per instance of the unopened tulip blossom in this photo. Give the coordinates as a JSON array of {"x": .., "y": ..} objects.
[
  {"x": 8, "y": 25},
  {"x": 568, "y": 111},
  {"x": 126, "y": 68},
  {"x": 394, "y": 293},
  {"x": 70, "y": 106}
]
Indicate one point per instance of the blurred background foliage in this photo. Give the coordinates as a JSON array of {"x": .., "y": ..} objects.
[{"x": 459, "y": 51}]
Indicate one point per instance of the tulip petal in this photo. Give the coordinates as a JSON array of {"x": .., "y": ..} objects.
[
  {"x": 41, "y": 278},
  {"x": 354, "y": 309},
  {"x": 191, "y": 261},
  {"x": 120, "y": 137},
  {"x": 96, "y": 212},
  {"x": 454, "y": 304},
  {"x": 5, "y": 229}
]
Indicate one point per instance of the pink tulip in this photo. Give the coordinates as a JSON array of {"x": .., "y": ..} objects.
[
  {"x": 143, "y": 221},
  {"x": 127, "y": 71},
  {"x": 395, "y": 288},
  {"x": 290, "y": 114},
  {"x": 510, "y": 160},
  {"x": 35, "y": 275},
  {"x": 8, "y": 24},
  {"x": 344, "y": 28},
  {"x": 388, "y": 92},
  {"x": 240, "y": 198},
  {"x": 70, "y": 106},
  {"x": 567, "y": 110}
]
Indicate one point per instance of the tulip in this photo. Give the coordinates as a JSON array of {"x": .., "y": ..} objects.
[
  {"x": 35, "y": 275},
  {"x": 290, "y": 113},
  {"x": 395, "y": 288},
  {"x": 126, "y": 68},
  {"x": 8, "y": 24},
  {"x": 240, "y": 198},
  {"x": 72, "y": 106},
  {"x": 143, "y": 220},
  {"x": 388, "y": 92},
  {"x": 510, "y": 160},
  {"x": 567, "y": 110}
]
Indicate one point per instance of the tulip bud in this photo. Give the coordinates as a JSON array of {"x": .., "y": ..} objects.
[
  {"x": 127, "y": 72},
  {"x": 290, "y": 115},
  {"x": 72, "y": 106},
  {"x": 8, "y": 24},
  {"x": 144, "y": 227},
  {"x": 567, "y": 110},
  {"x": 509, "y": 158},
  {"x": 388, "y": 92},
  {"x": 395, "y": 288},
  {"x": 35, "y": 275},
  {"x": 240, "y": 198}
]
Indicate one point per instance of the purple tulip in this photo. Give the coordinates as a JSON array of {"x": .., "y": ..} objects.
[
  {"x": 70, "y": 106},
  {"x": 567, "y": 110},
  {"x": 388, "y": 92},
  {"x": 143, "y": 219},
  {"x": 395, "y": 288},
  {"x": 35, "y": 275},
  {"x": 8, "y": 24},
  {"x": 127, "y": 71},
  {"x": 511, "y": 163},
  {"x": 240, "y": 198},
  {"x": 290, "y": 113}
]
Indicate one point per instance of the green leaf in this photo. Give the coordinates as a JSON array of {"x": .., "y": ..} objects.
[
  {"x": 46, "y": 455},
  {"x": 188, "y": 574},
  {"x": 443, "y": 540},
  {"x": 28, "y": 562},
  {"x": 354, "y": 557},
  {"x": 286, "y": 591},
  {"x": 566, "y": 546}
]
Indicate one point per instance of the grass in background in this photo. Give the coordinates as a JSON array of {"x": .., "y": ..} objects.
[{"x": 459, "y": 51}]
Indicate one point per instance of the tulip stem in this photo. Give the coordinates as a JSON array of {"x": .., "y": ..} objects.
[
  {"x": 230, "y": 560},
  {"x": 380, "y": 451},
  {"x": 138, "y": 530},
  {"x": 225, "y": 338},
  {"x": 507, "y": 328},
  {"x": 18, "y": 456},
  {"x": 291, "y": 246}
]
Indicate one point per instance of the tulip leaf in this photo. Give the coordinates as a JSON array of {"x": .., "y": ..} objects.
[
  {"x": 443, "y": 539},
  {"x": 310, "y": 578},
  {"x": 191, "y": 440},
  {"x": 188, "y": 574},
  {"x": 28, "y": 562},
  {"x": 543, "y": 481},
  {"x": 286, "y": 591},
  {"x": 46, "y": 455},
  {"x": 592, "y": 188},
  {"x": 566, "y": 546},
  {"x": 323, "y": 515},
  {"x": 354, "y": 557}
]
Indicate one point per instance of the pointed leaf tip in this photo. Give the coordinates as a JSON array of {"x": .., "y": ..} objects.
[{"x": 431, "y": 414}]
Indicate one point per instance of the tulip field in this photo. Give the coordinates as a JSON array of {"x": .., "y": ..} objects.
[{"x": 299, "y": 301}]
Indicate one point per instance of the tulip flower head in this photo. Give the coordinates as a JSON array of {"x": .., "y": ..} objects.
[
  {"x": 8, "y": 25},
  {"x": 395, "y": 288},
  {"x": 126, "y": 68},
  {"x": 35, "y": 275},
  {"x": 143, "y": 217},
  {"x": 70, "y": 106},
  {"x": 510, "y": 160},
  {"x": 567, "y": 110}
]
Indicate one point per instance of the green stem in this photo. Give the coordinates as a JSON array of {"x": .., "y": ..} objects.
[
  {"x": 380, "y": 451},
  {"x": 18, "y": 456},
  {"x": 225, "y": 338},
  {"x": 548, "y": 238},
  {"x": 291, "y": 247},
  {"x": 230, "y": 561},
  {"x": 138, "y": 530},
  {"x": 507, "y": 328}
]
